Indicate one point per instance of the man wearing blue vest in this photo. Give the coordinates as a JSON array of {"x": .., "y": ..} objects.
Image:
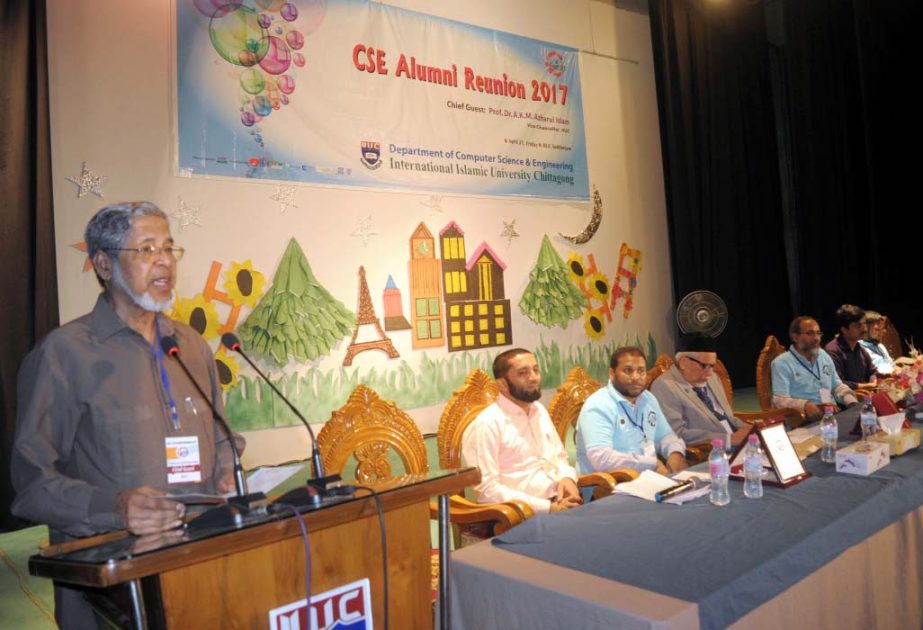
[
  {"x": 622, "y": 425},
  {"x": 805, "y": 376}
]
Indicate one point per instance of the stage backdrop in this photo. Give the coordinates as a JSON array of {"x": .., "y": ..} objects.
[
  {"x": 349, "y": 92},
  {"x": 395, "y": 279}
]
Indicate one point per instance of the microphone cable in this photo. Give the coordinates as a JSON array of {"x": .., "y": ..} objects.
[
  {"x": 384, "y": 547},
  {"x": 307, "y": 558}
]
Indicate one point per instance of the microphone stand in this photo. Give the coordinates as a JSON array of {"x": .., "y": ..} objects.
[
  {"x": 244, "y": 501},
  {"x": 324, "y": 485}
]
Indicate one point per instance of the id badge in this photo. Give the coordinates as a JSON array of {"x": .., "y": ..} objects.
[
  {"x": 825, "y": 396},
  {"x": 183, "y": 463},
  {"x": 649, "y": 450}
]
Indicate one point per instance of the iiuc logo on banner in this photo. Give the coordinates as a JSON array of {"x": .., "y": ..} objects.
[
  {"x": 348, "y": 607},
  {"x": 371, "y": 154}
]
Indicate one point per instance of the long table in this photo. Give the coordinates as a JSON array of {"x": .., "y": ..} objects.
[{"x": 833, "y": 551}]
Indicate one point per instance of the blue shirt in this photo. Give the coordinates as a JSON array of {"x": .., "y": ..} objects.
[
  {"x": 794, "y": 377},
  {"x": 881, "y": 358},
  {"x": 613, "y": 433}
]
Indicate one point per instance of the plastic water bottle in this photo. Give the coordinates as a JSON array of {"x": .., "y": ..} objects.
[
  {"x": 829, "y": 431},
  {"x": 868, "y": 419},
  {"x": 753, "y": 469},
  {"x": 718, "y": 468}
]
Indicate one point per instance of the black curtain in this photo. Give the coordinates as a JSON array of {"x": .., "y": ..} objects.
[
  {"x": 784, "y": 127},
  {"x": 721, "y": 168},
  {"x": 29, "y": 307}
]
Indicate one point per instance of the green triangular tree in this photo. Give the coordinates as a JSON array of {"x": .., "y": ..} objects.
[
  {"x": 551, "y": 299},
  {"x": 297, "y": 317}
]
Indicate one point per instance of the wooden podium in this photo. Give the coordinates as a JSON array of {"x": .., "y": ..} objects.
[{"x": 233, "y": 577}]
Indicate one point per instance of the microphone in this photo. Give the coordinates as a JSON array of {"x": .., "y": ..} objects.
[
  {"x": 693, "y": 483},
  {"x": 321, "y": 482},
  {"x": 243, "y": 500}
]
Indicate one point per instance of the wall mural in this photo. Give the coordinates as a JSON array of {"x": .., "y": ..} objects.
[{"x": 458, "y": 307}]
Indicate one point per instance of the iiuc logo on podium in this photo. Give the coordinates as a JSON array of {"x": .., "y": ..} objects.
[{"x": 348, "y": 607}]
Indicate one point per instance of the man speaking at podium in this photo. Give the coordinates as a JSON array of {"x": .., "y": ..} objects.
[{"x": 107, "y": 426}]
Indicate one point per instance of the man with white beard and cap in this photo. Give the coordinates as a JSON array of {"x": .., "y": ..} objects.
[{"x": 693, "y": 399}]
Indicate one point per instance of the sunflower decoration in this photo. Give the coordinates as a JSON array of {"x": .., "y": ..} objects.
[
  {"x": 594, "y": 323},
  {"x": 576, "y": 269},
  {"x": 243, "y": 285},
  {"x": 199, "y": 314},
  {"x": 598, "y": 285},
  {"x": 228, "y": 368}
]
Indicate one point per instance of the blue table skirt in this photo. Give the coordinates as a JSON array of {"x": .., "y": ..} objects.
[{"x": 732, "y": 559}]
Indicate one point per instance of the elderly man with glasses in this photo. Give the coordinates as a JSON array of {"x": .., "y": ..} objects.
[
  {"x": 805, "y": 377},
  {"x": 693, "y": 399},
  {"x": 107, "y": 428}
]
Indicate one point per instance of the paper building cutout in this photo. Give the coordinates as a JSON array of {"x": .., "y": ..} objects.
[
  {"x": 425, "y": 291},
  {"x": 394, "y": 308},
  {"x": 477, "y": 311},
  {"x": 366, "y": 318}
]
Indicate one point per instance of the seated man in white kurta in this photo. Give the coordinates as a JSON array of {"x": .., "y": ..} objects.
[{"x": 514, "y": 442}]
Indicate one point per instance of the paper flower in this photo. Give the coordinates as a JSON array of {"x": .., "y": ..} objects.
[
  {"x": 228, "y": 368},
  {"x": 199, "y": 314},
  {"x": 243, "y": 285}
]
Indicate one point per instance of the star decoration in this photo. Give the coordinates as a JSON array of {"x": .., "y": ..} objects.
[
  {"x": 285, "y": 196},
  {"x": 186, "y": 215},
  {"x": 87, "y": 182},
  {"x": 509, "y": 231},
  {"x": 364, "y": 229},
  {"x": 82, "y": 246},
  {"x": 434, "y": 202}
]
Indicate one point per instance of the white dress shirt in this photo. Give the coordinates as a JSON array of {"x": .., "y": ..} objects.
[{"x": 520, "y": 455}]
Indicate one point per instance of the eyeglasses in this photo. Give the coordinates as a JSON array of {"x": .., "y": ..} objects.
[
  {"x": 704, "y": 366},
  {"x": 149, "y": 252},
  {"x": 812, "y": 333}
]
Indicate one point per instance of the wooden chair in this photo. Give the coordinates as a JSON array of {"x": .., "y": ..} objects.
[
  {"x": 366, "y": 428},
  {"x": 466, "y": 403},
  {"x": 568, "y": 400},
  {"x": 661, "y": 364},
  {"x": 477, "y": 393},
  {"x": 892, "y": 340}
]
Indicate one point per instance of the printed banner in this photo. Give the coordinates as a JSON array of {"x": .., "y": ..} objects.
[{"x": 357, "y": 93}]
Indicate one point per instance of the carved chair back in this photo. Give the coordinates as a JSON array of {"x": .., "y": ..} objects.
[
  {"x": 567, "y": 402},
  {"x": 367, "y": 428},
  {"x": 771, "y": 349},
  {"x": 478, "y": 392}
]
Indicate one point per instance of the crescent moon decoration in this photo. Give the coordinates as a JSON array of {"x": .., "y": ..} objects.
[{"x": 590, "y": 229}]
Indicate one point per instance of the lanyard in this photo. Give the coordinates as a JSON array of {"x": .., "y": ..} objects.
[
  {"x": 804, "y": 364},
  {"x": 165, "y": 379},
  {"x": 632, "y": 414}
]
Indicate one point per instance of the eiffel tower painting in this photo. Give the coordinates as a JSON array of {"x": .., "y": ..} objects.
[{"x": 365, "y": 316}]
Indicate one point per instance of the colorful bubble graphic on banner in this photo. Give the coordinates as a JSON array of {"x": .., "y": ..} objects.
[{"x": 263, "y": 41}]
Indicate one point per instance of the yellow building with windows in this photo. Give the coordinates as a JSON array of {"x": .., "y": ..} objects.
[{"x": 476, "y": 309}]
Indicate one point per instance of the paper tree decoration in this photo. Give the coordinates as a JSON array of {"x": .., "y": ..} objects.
[
  {"x": 550, "y": 298},
  {"x": 297, "y": 317}
]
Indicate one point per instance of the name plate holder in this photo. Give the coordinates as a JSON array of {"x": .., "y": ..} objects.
[{"x": 784, "y": 467}]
